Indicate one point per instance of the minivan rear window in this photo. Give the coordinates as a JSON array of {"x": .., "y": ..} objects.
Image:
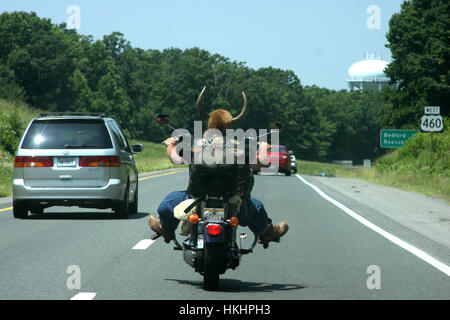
[{"x": 67, "y": 134}]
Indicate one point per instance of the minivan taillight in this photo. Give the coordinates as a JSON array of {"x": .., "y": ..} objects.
[
  {"x": 114, "y": 161},
  {"x": 99, "y": 161},
  {"x": 33, "y": 162}
]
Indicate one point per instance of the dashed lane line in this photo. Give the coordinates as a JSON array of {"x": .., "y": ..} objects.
[
  {"x": 84, "y": 296},
  {"x": 143, "y": 244}
]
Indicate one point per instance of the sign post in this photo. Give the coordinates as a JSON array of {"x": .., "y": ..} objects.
[{"x": 431, "y": 122}]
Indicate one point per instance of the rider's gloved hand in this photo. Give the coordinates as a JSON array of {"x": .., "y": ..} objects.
[
  {"x": 263, "y": 145},
  {"x": 262, "y": 154},
  {"x": 170, "y": 141}
]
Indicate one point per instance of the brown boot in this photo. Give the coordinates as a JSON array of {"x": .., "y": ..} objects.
[
  {"x": 274, "y": 232},
  {"x": 155, "y": 225}
]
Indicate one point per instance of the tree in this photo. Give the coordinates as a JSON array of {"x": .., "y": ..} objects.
[
  {"x": 57, "y": 69},
  {"x": 419, "y": 39},
  {"x": 43, "y": 56},
  {"x": 349, "y": 123},
  {"x": 9, "y": 88}
]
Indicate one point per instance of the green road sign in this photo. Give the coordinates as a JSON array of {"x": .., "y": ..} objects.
[{"x": 393, "y": 138}]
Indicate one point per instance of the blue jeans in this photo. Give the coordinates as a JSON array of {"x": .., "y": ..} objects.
[{"x": 256, "y": 219}]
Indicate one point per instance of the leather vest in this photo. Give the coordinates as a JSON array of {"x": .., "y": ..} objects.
[{"x": 220, "y": 179}]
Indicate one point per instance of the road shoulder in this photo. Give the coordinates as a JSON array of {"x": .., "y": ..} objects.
[{"x": 416, "y": 218}]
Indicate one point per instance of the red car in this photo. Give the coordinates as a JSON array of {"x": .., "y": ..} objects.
[{"x": 279, "y": 157}]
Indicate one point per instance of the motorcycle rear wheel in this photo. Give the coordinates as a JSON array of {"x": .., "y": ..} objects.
[{"x": 211, "y": 266}]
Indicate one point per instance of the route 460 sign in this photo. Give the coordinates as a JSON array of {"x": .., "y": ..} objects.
[{"x": 431, "y": 123}]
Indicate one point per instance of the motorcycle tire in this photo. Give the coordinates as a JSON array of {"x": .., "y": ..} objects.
[{"x": 211, "y": 266}]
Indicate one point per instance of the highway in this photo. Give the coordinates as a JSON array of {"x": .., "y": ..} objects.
[{"x": 71, "y": 253}]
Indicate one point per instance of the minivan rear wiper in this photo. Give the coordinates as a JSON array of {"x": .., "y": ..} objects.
[{"x": 70, "y": 146}]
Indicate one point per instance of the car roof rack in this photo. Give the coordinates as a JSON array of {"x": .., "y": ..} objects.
[{"x": 89, "y": 114}]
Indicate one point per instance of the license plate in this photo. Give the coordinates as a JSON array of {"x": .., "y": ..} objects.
[
  {"x": 199, "y": 243},
  {"x": 66, "y": 162},
  {"x": 214, "y": 214}
]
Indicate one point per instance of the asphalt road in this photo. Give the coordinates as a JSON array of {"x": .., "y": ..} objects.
[{"x": 327, "y": 254}]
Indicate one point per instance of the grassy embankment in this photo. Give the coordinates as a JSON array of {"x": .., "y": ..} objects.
[
  {"x": 153, "y": 157},
  {"x": 13, "y": 120},
  {"x": 6, "y": 168},
  {"x": 407, "y": 168}
]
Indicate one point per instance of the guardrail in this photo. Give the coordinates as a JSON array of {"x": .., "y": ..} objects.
[{"x": 346, "y": 163}]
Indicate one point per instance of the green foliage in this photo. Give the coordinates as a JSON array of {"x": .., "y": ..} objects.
[
  {"x": 9, "y": 89},
  {"x": 419, "y": 41},
  {"x": 42, "y": 56},
  {"x": 154, "y": 157},
  {"x": 7, "y": 137},
  {"x": 349, "y": 125},
  {"x": 60, "y": 70},
  {"x": 6, "y": 173},
  {"x": 414, "y": 156},
  {"x": 11, "y": 127},
  {"x": 314, "y": 168},
  {"x": 56, "y": 69}
]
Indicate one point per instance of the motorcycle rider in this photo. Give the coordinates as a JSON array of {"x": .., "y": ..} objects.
[{"x": 257, "y": 221}]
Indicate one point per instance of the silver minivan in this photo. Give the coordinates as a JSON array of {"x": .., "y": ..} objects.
[{"x": 75, "y": 159}]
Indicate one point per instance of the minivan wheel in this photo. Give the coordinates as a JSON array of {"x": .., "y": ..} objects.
[
  {"x": 134, "y": 204},
  {"x": 123, "y": 208},
  {"x": 20, "y": 209}
]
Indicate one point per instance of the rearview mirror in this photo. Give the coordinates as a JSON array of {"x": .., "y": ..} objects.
[
  {"x": 136, "y": 148},
  {"x": 162, "y": 118}
]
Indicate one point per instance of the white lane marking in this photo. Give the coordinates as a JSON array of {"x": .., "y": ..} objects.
[
  {"x": 403, "y": 244},
  {"x": 143, "y": 244},
  {"x": 84, "y": 296}
]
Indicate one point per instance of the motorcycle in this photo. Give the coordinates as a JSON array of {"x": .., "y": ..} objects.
[
  {"x": 211, "y": 247},
  {"x": 211, "y": 226}
]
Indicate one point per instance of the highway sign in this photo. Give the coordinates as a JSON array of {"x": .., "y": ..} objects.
[
  {"x": 431, "y": 123},
  {"x": 394, "y": 138},
  {"x": 432, "y": 110}
]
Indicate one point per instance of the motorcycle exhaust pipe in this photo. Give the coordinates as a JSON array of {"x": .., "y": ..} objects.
[{"x": 189, "y": 257}]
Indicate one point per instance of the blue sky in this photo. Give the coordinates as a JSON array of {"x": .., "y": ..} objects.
[{"x": 317, "y": 39}]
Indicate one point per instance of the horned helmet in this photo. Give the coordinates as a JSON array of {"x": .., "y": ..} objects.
[{"x": 220, "y": 119}]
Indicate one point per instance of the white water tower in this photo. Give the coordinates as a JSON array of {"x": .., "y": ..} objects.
[{"x": 368, "y": 74}]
